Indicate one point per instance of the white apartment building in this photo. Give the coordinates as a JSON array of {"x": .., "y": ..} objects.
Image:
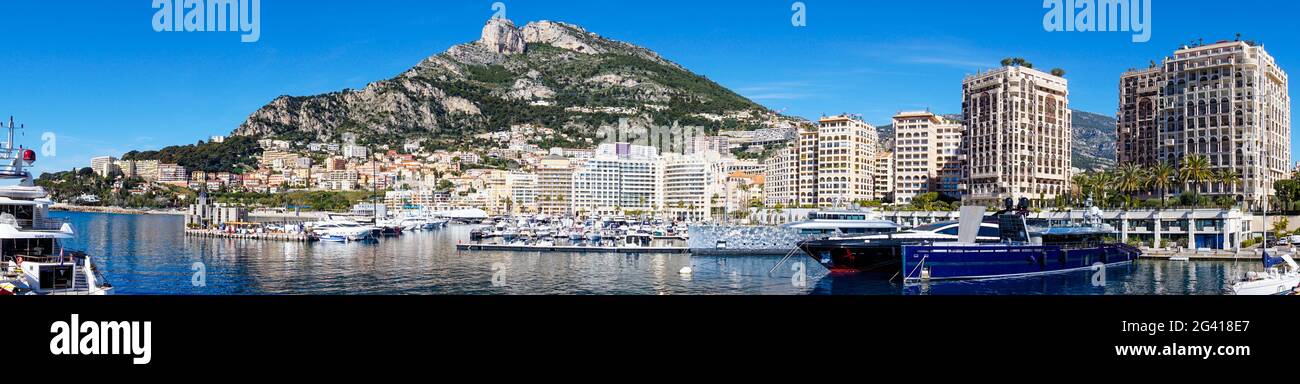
[
  {"x": 691, "y": 187},
  {"x": 619, "y": 179},
  {"x": 352, "y": 151},
  {"x": 845, "y": 161},
  {"x": 1226, "y": 101},
  {"x": 926, "y": 156},
  {"x": 1018, "y": 135}
]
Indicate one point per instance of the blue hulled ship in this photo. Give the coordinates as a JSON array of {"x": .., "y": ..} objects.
[{"x": 1023, "y": 250}]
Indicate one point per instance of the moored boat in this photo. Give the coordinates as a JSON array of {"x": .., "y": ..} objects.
[{"x": 1023, "y": 251}]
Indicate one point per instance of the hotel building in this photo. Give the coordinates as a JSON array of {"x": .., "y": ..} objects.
[
  {"x": 926, "y": 150},
  {"x": 1018, "y": 135},
  {"x": 1226, "y": 101},
  {"x": 620, "y": 178}
]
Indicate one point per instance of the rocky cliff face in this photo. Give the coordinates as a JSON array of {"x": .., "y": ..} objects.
[
  {"x": 547, "y": 74},
  {"x": 501, "y": 36}
]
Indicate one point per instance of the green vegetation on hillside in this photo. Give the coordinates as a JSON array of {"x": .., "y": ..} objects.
[
  {"x": 328, "y": 201},
  {"x": 233, "y": 155}
]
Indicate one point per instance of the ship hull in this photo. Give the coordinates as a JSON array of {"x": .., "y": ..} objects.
[{"x": 922, "y": 263}]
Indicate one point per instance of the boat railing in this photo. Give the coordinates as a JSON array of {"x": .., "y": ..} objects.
[{"x": 44, "y": 224}]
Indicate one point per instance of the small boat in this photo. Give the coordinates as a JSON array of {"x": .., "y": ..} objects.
[{"x": 1281, "y": 276}]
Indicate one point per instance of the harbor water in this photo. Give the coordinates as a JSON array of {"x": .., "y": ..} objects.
[{"x": 150, "y": 255}]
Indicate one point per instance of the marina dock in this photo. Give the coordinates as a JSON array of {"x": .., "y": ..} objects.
[
  {"x": 1219, "y": 255},
  {"x": 285, "y": 237},
  {"x": 570, "y": 249}
]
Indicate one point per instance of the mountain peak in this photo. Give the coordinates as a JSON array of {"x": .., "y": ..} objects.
[
  {"x": 547, "y": 74},
  {"x": 501, "y": 36}
]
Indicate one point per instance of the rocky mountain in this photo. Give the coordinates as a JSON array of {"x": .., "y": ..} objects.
[
  {"x": 1094, "y": 141},
  {"x": 546, "y": 74}
]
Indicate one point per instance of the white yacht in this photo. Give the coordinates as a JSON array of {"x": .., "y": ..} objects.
[
  {"x": 32, "y": 257},
  {"x": 843, "y": 224},
  {"x": 342, "y": 231},
  {"x": 1281, "y": 276}
]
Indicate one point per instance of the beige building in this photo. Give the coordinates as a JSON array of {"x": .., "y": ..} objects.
[
  {"x": 926, "y": 156},
  {"x": 884, "y": 174},
  {"x": 782, "y": 178},
  {"x": 1018, "y": 135},
  {"x": 805, "y": 187},
  {"x": 1226, "y": 101},
  {"x": 555, "y": 185},
  {"x": 103, "y": 166},
  {"x": 845, "y": 161}
]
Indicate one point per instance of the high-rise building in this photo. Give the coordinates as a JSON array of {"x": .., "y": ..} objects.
[
  {"x": 555, "y": 185},
  {"x": 845, "y": 161},
  {"x": 926, "y": 156},
  {"x": 1138, "y": 133},
  {"x": 884, "y": 180},
  {"x": 782, "y": 178},
  {"x": 1226, "y": 101},
  {"x": 806, "y": 182},
  {"x": 1018, "y": 135}
]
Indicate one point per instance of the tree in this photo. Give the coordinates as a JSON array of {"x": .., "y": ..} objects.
[
  {"x": 1080, "y": 185},
  {"x": 1196, "y": 172},
  {"x": 1130, "y": 179},
  {"x": 1230, "y": 180},
  {"x": 1102, "y": 184},
  {"x": 1162, "y": 179},
  {"x": 1058, "y": 72}
]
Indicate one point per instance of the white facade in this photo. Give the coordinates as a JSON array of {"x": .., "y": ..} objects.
[
  {"x": 691, "y": 186},
  {"x": 619, "y": 179}
]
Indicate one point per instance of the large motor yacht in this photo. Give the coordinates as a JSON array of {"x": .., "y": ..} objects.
[{"x": 32, "y": 257}]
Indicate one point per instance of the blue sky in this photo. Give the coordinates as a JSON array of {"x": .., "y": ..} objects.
[{"x": 96, "y": 74}]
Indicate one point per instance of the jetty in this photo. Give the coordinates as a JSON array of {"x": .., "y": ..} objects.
[
  {"x": 1203, "y": 254},
  {"x": 285, "y": 237},
  {"x": 571, "y": 249}
]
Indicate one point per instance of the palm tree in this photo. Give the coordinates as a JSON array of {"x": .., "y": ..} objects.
[
  {"x": 1102, "y": 183},
  {"x": 1162, "y": 179},
  {"x": 1130, "y": 179},
  {"x": 1230, "y": 180},
  {"x": 1080, "y": 187},
  {"x": 1196, "y": 172}
]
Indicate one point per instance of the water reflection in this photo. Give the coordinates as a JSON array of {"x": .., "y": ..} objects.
[{"x": 150, "y": 255}]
